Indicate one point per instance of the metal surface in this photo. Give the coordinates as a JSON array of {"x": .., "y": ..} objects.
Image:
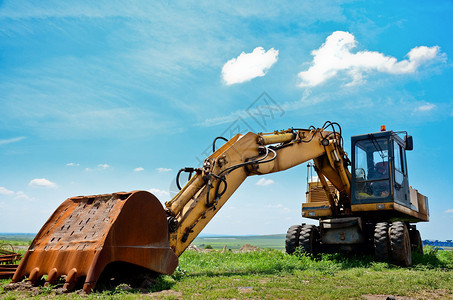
[
  {"x": 85, "y": 234},
  {"x": 342, "y": 231}
]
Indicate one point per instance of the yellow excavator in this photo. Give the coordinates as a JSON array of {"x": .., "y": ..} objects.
[{"x": 370, "y": 208}]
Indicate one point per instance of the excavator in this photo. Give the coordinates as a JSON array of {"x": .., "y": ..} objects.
[{"x": 371, "y": 207}]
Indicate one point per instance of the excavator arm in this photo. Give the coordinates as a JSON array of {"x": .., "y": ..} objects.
[
  {"x": 87, "y": 235},
  {"x": 254, "y": 154}
]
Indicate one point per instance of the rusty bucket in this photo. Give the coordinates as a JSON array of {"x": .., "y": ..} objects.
[{"x": 85, "y": 234}]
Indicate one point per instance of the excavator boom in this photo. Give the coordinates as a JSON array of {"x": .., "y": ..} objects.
[
  {"x": 246, "y": 155},
  {"x": 86, "y": 234}
]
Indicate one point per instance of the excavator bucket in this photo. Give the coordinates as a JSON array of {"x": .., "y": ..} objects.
[{"x": 86, "y": 234}]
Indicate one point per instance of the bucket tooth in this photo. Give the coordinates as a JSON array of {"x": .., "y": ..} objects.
[
  {"x": 52, "y": 277},
  {"x": 34, "y": 276},
  {"x": 71, "y": 280},
  {"x": 85, "y": 234}
]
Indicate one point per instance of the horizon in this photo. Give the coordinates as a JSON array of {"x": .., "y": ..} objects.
[{"x": 207, "y": 235}]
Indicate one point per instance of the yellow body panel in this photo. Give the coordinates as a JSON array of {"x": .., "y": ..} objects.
[
  {"x": 316, "y": 209},
  {"x": 390, "y": 206}
]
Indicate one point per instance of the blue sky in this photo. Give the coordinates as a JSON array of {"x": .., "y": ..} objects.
[{"x": 106, "y": 96}]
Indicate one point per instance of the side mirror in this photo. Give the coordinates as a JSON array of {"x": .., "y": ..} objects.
[{"x": 409, "y": 143}]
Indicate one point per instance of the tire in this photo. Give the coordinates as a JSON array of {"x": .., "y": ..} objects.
[
  {"x": 382, "y": 241},
  {"x": 308, "y": 239},
  {"x": 400, "y": 244},
  {"x": 292, "y": 238},
  {"x": 416, "y": 241}
]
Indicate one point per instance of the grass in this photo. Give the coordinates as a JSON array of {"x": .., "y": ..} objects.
[
  {"x": 276, "y": 241},
  {"x": 273, "y": 274}
]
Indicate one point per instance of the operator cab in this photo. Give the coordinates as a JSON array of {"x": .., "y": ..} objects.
[{"x": 379, "y": 168}]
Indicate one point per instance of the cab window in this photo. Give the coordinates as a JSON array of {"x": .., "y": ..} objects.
[
  {"x": 399, "y": 165},
  {"x": 372, "y": 168}
]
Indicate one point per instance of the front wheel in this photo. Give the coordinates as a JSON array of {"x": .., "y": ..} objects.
[
  {"x": 382, "y": 241},
  {"x": 401, "y": 252}
]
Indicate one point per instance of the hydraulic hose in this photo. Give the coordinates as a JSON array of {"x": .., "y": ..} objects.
[{"x": 218, "y": 138}]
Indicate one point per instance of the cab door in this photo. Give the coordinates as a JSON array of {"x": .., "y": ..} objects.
[{"x": 399, "y": 170}]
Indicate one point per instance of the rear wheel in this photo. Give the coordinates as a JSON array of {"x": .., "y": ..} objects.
[
  {"x": 400, "y": 244},
  {"x": 292, "y": 238},
  {"x": 308, "y": 239},
  {"x": 382, "y": 241}
]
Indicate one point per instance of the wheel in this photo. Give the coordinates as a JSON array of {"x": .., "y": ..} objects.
[
  {"x": 292, "y": 238},
  {"x": 308, "y": 239},
  {"x": 400, "y": 244},
  {"x": 416, "y": 241},
  {"x": 382, "y": 241}
]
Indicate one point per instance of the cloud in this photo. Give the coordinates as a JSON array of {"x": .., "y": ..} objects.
[
  {"x": 449, "y": 211},
  {"x": 274, "y": 206},
  {"x": 264, "y": 182},
  {"x": 161, "y": 170},
  {"x": 21, "y": 195},
  {"x": 425, "y": 107},
  {"x": 335, "y": 56},
  {"x": 249, "y": 65},
  {"x": 160, "y": 194},
  {"x": 99, "y": 167},
  {"x": 42, "y": 182},
  {"x": 278, "y": 207},
  {"x": 12, "y": 140},
  {"x": 73, "y": 164},
  {"x": 5, "y": 191},
  {"x": 17, "y": 195},
  {"x": 139, "y": 169}
]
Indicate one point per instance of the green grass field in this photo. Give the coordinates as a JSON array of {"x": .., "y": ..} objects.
[
  {"x": 273, "y": 274},
  {"x": 16, "y": 239},
  {"x": 276, "y": 241}
]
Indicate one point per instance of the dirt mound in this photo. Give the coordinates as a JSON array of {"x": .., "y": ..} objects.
[{"x": 248, "y": 248}]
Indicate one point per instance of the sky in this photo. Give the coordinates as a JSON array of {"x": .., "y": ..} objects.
[{"x": 107, "y": 96}]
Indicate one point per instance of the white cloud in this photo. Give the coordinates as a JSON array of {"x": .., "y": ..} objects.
[
  {"x": 161, "y": 170},
  {"x": 99, "y": 167},
  {"x": 17, "y": 195},
  {"x": 12, "y": 140},
  {"x": 5, "y": 191},
  {"x": 21, "y": 195},
  {"x": 42, "y": 182},
  {"x": 73, "y": 164},
  {"x": 335, "y": 56},
  {"x": 278, "y": 208},
  {"x": 425, "y": 107},
  {"x": 449, "y": 211},
  {"x": 274, "y": 206},
  {"x": 249, "y": 65},
  {"x": 264, "y": 182},
  {"x": 160, "y": 194},
  {"x": 139, "y": 169}
]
